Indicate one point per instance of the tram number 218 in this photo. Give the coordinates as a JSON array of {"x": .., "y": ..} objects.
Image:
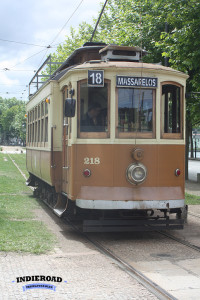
[
  {"x": 91, "y": 161},
  {"x": 95, "y": 78}
]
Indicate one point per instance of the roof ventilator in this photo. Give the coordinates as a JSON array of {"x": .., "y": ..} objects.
[{"x": 122, "y": 53}]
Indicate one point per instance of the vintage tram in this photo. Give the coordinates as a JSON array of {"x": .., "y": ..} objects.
[{"x": 105, "y": 138}]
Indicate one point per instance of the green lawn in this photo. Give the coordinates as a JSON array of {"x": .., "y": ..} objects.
[
  {"x": 18, "y": 229},
  {"x": 192, "y": 199},
  {"x": 20, "y": 160}
]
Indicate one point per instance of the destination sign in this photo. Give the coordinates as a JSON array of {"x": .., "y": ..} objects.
[{"x": 128, "y": 81}]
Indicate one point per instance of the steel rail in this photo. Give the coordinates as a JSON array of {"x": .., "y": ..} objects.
[
  {"x": 16, "y": 165},
  {"x": 151, "y": 286},
  {"x": 180, "y": 241}
]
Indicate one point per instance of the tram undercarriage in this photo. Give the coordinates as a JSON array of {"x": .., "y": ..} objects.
[{"x": 106, "y": 220}]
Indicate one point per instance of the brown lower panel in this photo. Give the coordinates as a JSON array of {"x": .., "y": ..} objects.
[
  {"x": 128, "y": 194},
  {"x": 108, "y": 164},
  {"x": 45, "y": 167},
  {"x": 108, "y": 176},
  {"x": 38, "y": 164}
]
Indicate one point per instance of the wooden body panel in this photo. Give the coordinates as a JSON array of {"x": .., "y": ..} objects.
[
  {"x": 38, "y": 163},
  {"x": 108, "y": 179}
]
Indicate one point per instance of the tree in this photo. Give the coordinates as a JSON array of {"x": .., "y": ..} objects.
[
  {"x": 75, "y": 40},
  {"x": 12, "y": 119},
  {"x": 167, "y": 29}
]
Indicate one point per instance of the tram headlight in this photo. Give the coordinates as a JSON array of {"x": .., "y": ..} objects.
[{"x": 136, "y": 173}]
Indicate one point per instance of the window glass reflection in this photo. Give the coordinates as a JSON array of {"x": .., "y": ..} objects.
[{"x": 135, "y": 110}]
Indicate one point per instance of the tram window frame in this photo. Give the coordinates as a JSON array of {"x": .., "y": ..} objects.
[
  {"x": 46, "y": 131},
  {"x": 33, "y": 135},
  {"x": 46, "y": 124},
  {"x": 42, "y": 130},
  {"x": 38, "y": 126},
  {"x": 28, "y": 129},
  {"x": 93, "y": 134},
  {"x": 35, "y": 129},
  {"x": 137, "y": 134},
  {"x": 164, "y": 123},
  {"x": 38, "y": 132}
]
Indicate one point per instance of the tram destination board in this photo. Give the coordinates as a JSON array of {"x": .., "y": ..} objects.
[
  {"x": 129, "y": 81},
  {"x": 96, "y": 78}
]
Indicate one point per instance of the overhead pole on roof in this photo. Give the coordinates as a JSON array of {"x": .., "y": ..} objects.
[{"x": 97, "y": 23}]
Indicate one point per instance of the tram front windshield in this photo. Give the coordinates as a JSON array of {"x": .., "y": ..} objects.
[
  {"x": 93, "y": 108},
  {"x": 135, "y": 110}
]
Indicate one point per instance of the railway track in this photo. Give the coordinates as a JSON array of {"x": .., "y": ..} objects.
[
  {"x": 151, "y": 286},
  {"x": 180, "y": 241}
]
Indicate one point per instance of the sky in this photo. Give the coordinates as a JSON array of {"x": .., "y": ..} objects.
[{"x": 35, "y": 22}]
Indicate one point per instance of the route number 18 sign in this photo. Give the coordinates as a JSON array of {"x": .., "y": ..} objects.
[{"x": 95, "y": 78}]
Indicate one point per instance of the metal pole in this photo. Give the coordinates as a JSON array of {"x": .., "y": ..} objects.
[{"x": 98, "y": 21}]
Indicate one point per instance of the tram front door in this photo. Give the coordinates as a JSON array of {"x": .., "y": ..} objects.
[{"x": 65, "y": 162}]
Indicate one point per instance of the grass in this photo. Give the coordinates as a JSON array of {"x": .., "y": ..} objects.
[
  {"x": 192, "y": 199},
  {"x": 18, "y": 229},
  {"x": 20, "y": 160},
  {"x": 11, "y": 181}
]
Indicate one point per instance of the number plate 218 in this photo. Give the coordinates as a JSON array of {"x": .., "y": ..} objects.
[{"x": 92, "y": 161}]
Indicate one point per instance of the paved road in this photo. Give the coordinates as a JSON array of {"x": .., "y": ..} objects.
[{"x": 194, "y": 168}]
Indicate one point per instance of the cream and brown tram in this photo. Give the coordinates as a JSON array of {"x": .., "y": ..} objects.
[{"x": 106, "y": 139}]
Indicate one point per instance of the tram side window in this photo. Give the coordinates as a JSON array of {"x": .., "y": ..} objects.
[
  {"x": 93, "y": 109},
  {"x": 38, "y": 126},
  {"x": 135, "y": 111},
  {"x": 46, "y": 129},
  {"x": 171, "y": 109}
]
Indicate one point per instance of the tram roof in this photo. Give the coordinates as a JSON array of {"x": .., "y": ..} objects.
[
  {"x": 127, "y": 64},
  {"x": 79, "y": 60}
]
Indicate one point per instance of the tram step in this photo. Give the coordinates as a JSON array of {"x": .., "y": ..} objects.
[
  {"x": 61, "y": 206},
  {"x": 59, "y": 211}
]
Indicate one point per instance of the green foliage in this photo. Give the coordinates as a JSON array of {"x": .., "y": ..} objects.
[
  {"x": 75, "y": 40},
  {"x": 12, "y": 119},
  {"x": 165, "y": 28}
]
